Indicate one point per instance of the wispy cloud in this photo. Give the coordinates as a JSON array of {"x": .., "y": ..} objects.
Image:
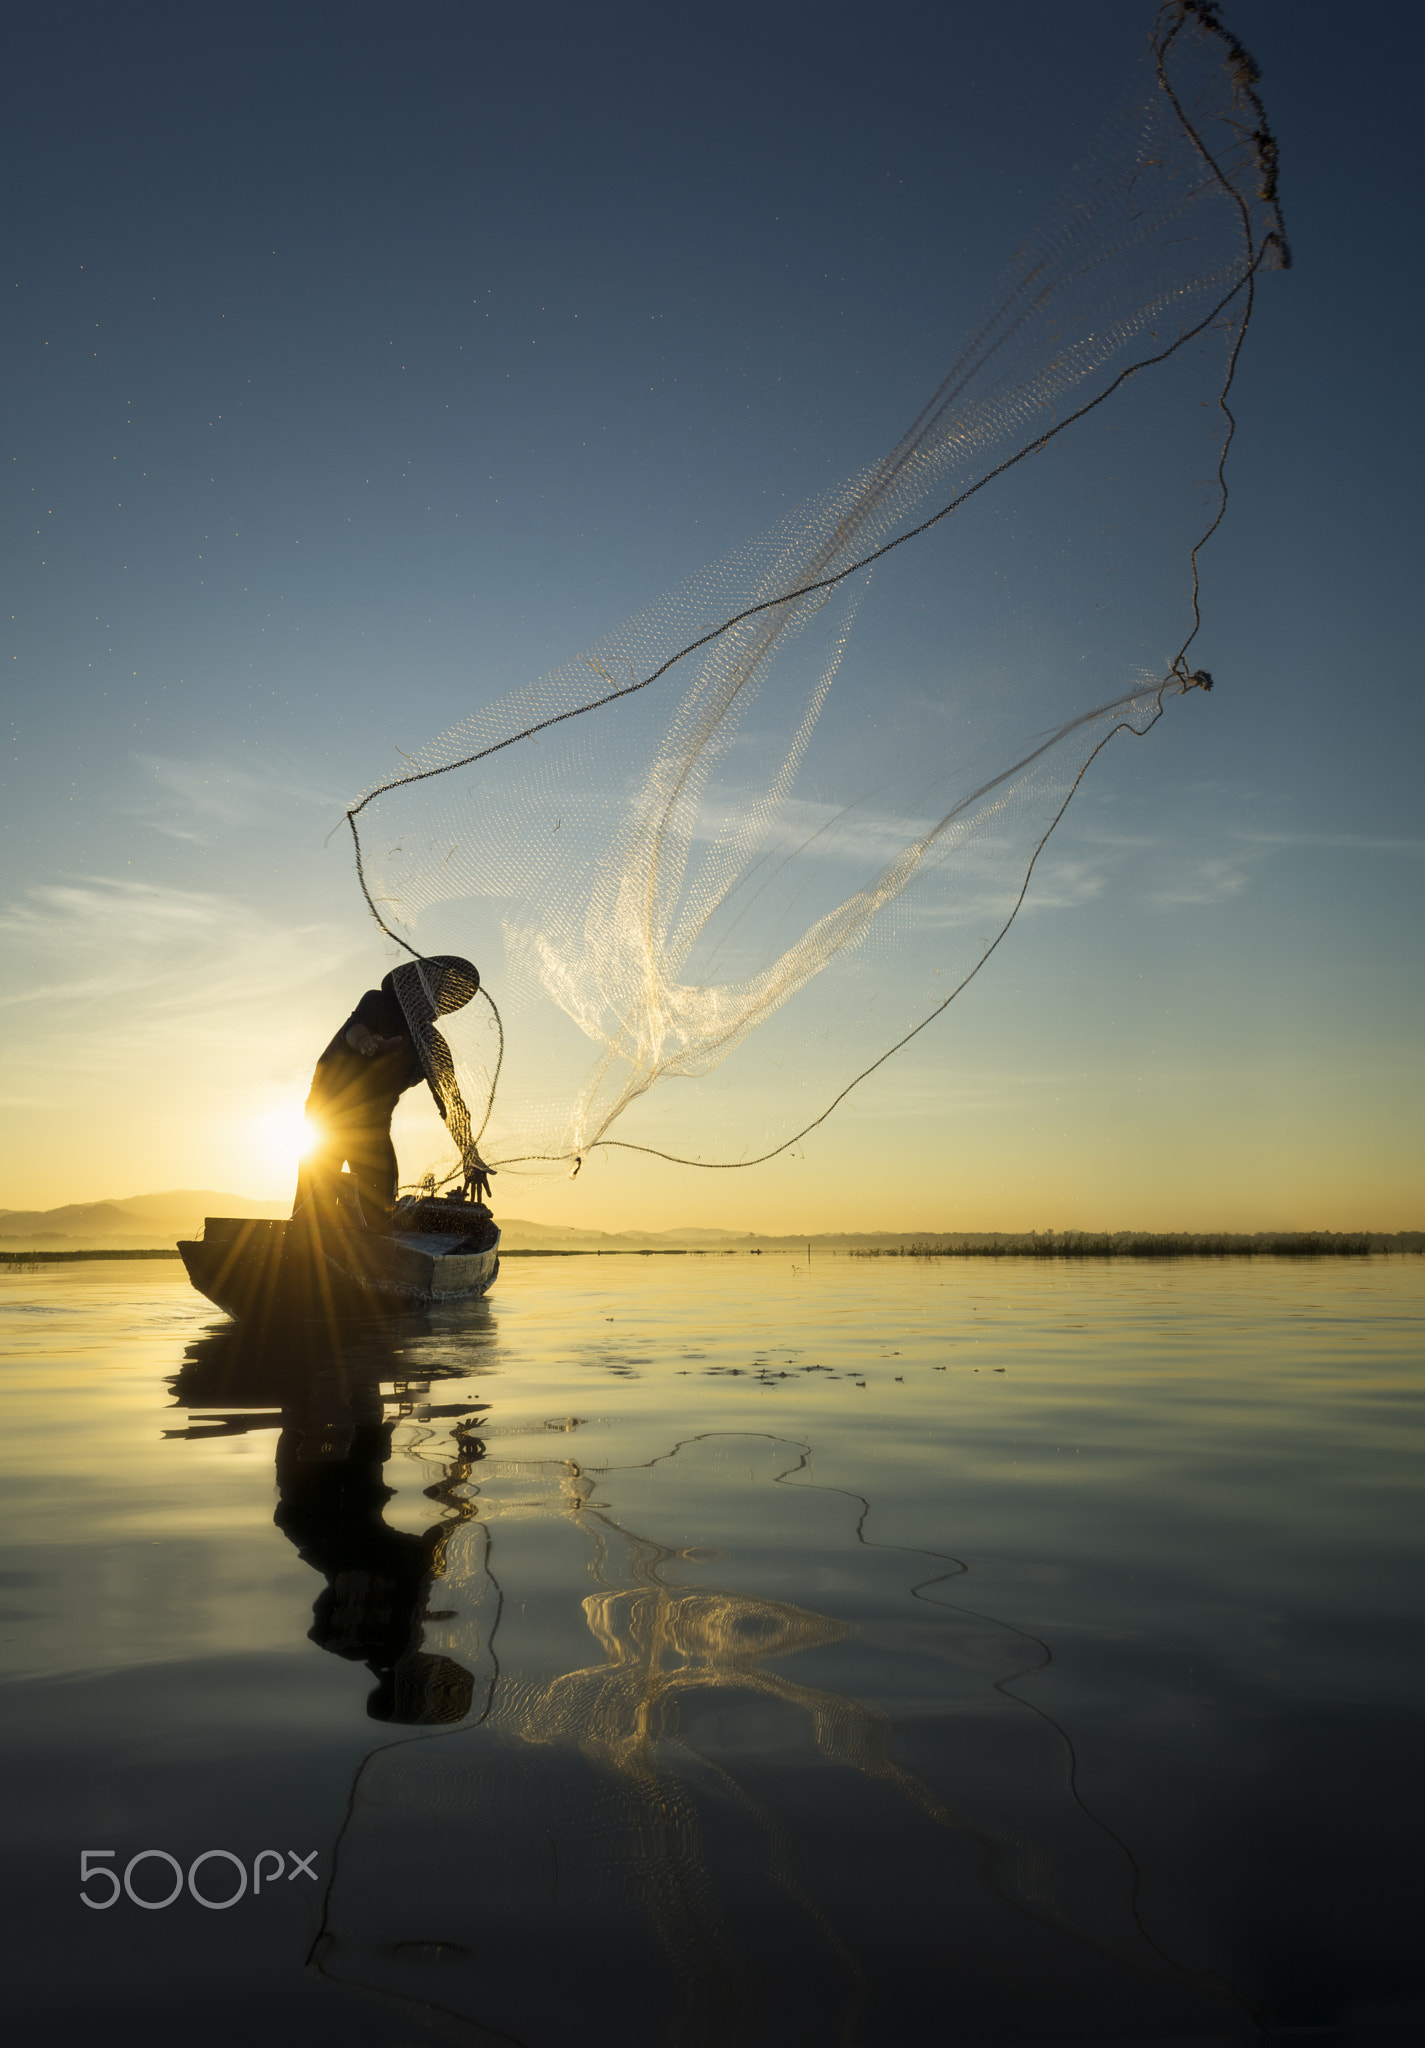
[
  {"x": 1200, "y": 878},
  {"x": 1345, "y": 842},
  {"x": 115, "y": 975},
  {"x": 1177, "y": 865},
  {"x": 196, "y": 800}
]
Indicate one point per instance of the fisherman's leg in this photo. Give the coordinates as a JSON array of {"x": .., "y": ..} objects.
[
  {"x": 372, "y": 1159},
  {"x": 319, "y": 1169}
]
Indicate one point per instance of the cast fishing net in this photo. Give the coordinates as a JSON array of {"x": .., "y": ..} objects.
[{"x": 759, "y": 835}]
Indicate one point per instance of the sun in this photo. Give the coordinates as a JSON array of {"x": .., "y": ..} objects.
[{"x": 281, "y": 1137}]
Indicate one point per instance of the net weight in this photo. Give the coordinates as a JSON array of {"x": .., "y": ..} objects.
[{"x": 268, "y": 1865}]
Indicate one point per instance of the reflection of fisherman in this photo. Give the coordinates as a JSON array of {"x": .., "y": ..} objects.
[
  {"x": 387, "y": 1045},
  {"x": 378, "y": 1578}
]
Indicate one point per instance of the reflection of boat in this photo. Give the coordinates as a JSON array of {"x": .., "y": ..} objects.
[
  {"x": 248, "y": 1378},
  {"x": 326, "y": 1263}
]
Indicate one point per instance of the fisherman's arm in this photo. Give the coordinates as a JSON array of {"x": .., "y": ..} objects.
[
  {"x": 446, "y": 1090},
  {"x": 367, "y": 1042},
  {"x": 364, "y": 1034}
]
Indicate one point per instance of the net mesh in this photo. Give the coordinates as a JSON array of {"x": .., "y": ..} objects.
[{"x": 801, "y": 794}]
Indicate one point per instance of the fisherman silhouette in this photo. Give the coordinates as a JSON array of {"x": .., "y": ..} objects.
[
  {"x": 334, "y": 1442},
  {"x": 388, "y": 1044},
  {"x": 378, "y": 1578}
]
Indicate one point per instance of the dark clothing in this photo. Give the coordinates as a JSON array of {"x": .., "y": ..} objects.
[
  {"x": 382, "y": 1015},
  {"x": 351, "y": 1104}
]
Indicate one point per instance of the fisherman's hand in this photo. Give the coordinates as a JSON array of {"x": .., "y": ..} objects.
[
  {"x": 477, "y": 1179},
  {"x": 368, "y": 1043}
]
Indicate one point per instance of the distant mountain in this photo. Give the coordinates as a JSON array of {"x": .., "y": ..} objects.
[
  {"x": 145, "y": 1222},
  {"x": 129, "y": 1223},
  {"x": 150, "y": 1222},
  {"x": 519, "y": 1234},
  {"x": 197, "y": 1202}
]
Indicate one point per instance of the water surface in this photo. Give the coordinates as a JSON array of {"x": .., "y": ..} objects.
[{"x": 724, "y": 1650}]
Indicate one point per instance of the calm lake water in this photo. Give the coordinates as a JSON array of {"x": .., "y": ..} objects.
[{"x": 722, "y": 1650}]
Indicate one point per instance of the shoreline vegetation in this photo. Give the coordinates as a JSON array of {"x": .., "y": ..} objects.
[
  {"x": 1160, "y": 1244},
  {"x": 1049, "y": 1244}
]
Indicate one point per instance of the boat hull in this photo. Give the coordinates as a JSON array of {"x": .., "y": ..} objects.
[{"x": 318, "y": 1269}]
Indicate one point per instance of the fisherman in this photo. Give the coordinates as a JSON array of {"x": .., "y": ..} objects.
[{"x": 388, "y": 1044}]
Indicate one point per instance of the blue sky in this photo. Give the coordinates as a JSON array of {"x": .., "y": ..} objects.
[{"x": 365, "y": 360}]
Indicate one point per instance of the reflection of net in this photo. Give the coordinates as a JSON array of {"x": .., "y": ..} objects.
[
  {"x": 729, "y": 837},
  {"x": 661, "y": 1647},
  {"x": 742, "y": 1818}
]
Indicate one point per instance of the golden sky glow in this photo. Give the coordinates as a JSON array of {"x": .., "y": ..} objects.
[
  {"x": 1236, "y": 1105},
  {"x": 269, "y": 539}
]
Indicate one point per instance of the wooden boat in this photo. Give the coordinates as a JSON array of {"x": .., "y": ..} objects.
[{"x": 326, "y": 1264}]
